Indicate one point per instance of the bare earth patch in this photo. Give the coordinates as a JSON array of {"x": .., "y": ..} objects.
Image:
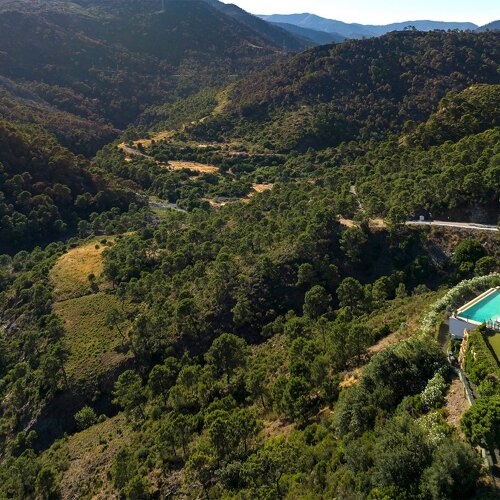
[
  {"x": 273, "y": 428},
  {"x": 456, "y": 404}
]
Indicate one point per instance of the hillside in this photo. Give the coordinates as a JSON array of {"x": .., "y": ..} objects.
[
  {"x": 493, "y": 26},
  {"x": 356, "y": 30},
  {"x": 45, "y": 191},
  {"x": 99, "y": 64},
  {"x": 315, "y": 36},
  {"x": 446, "y": 166},
  {"x": 234, "y": 300},
  {"x": 354, "y": 90}
]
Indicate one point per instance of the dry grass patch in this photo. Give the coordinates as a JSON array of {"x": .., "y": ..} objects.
[
  {"x": 260, "y": 188},
  {"x": 94, "y": 348},
  {"x": 192, "y": 165},
  {"x": 71, "y": 271},
  {"x": 91, "y": 454}
]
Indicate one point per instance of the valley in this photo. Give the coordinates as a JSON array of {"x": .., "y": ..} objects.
[{"x": 230, "y": 250}]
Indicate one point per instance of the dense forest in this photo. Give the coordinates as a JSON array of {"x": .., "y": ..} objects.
[
  {"x": 228, "y": 301},
  {"x": 46, "y": 192},
  {"x": 353, "y": 90},
  {"x": 86, "y": 69}
]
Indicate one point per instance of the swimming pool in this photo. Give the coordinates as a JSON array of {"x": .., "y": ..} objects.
[{"x": 484, "y": 309}]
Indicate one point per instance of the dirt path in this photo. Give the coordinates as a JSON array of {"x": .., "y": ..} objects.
[{"x": 455, "y": 404}]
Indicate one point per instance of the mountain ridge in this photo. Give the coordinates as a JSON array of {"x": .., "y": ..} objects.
[{"x": 358, "y": 30}]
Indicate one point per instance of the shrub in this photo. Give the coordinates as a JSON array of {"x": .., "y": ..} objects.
[
  {"x": 85, "y": 418},
  {"x": 434, "y": 392}
]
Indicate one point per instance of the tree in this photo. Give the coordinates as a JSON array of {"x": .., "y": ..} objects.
[
  {"x": 161, "y": 379},
  {"x": 316, "y": 302},
  {"x": 401, "y": 454},
  {"x": 296, "y": 398},
  {"x": 227, "y": 353},
  {"x": 468, "y": 251},
  {"x": 123, "y": 469},
  {"x": 129, "y": 393},
  {"x": 137, "y": 489},
  {"x": 266, "y": 468},
  {"x": 85, "y": 418},
  {"x": 481, "y": 422},
  {"x": 200, "y": 468},
  {"x": 486, "y": 265},
  {"x": 352, "y": 242},
  {"x": 350, "y": 294},
  {"x": 47, "y": 487},
  {"x": 256, "y": 384},
  {"x": 114, "y": 319},
  {"x": 305, "y": 275},
  {"x": 454, "y": 472}
]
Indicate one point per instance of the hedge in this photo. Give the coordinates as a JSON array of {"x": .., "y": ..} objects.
[{"x": 480, "y": 363}]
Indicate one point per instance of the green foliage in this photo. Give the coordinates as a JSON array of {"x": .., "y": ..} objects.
[
  {"x": 480, "y": 363},
  {"x": 468, "y": 251},
  {"x": 454, "y": 472},
  {"x": 316, "y": 302},
  {"x": 45, "y": 190},
  {"x": 487, "y": 265},
  {"x": 47, "y": 487},
  {"x": 85, "y": 418},
  {"x": 302, "y": 102},
  {"x": 228, "y": 352},
  {"x": 481, "y": 422},
  {"x": 129, "y": 393}
]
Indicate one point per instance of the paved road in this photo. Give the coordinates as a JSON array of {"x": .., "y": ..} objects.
[{"x": 459, "y": 225}]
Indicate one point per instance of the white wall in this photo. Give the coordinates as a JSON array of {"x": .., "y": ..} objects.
[{"x": 457, "y": 327}]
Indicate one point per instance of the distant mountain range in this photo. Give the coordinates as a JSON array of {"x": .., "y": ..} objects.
[
  {"x": 322, "y": 25},
  {"x": 317, "y": 37}
]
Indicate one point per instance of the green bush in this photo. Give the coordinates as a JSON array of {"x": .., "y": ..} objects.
[
  {"x": 480, "y": 364},
  {"x": 85, "y": 418}
]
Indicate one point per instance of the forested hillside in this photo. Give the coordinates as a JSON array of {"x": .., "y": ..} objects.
[
  {"x": 67, "y": 65},
  {"x": 45, "y": 191},
  {"x": 230, "y": 301},
  {"x": 354, "y": 90}
]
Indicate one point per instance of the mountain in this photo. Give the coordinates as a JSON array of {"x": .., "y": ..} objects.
[
  {"x": 354, "y": 90},
  {"x": 317, "y": 23},
  {"x": 278, "y": 35},
  {"x": 103, "y": 62},
  {"x": 495, "y": 25},
  {"x": 316, "y": 37},
  {"x": 355, "y": 30}
]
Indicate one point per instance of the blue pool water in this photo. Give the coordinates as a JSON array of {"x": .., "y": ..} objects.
[{"x": 487, "y": 309}]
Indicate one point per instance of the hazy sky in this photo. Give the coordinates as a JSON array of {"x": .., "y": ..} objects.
[{"x": 381, "y": 11}]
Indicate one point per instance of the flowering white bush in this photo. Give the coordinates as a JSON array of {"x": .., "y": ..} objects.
[
  {"x": 434, "y": 392},
  {"x": 435, "y": 427},
  {"x": 453, "y": 299}
]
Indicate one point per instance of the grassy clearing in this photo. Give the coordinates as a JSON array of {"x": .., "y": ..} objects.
[
  {"x": 494, "y": 341},
  {"x": 71, "y": 271},
  {"x": 405, "y": 312},
  {"x": 94, "y": 347},
  {"x": 90, "y": 454},
  {"x": 195, "y": 166}
]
